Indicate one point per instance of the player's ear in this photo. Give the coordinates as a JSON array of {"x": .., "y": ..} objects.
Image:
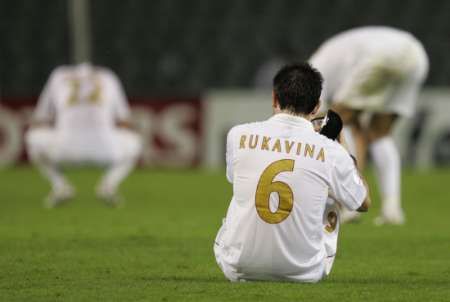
[
  {"x": 274, "y": 100},
  {"x": 316, "y": 109}
]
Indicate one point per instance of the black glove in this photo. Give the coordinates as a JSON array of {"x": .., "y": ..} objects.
[{"x": 332, "y": 125}]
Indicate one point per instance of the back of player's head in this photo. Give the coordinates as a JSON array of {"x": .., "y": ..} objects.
[{"x": 297, "y": 88}]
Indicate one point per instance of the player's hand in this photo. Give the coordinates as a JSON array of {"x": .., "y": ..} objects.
[{"x": 330, "y": 125}]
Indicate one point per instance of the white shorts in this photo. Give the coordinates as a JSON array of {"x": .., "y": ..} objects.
[
  {"x": 232, "y": 274},
  {"x": 72, "y": 148},
  {"x": 385, "y": 83},
  {"x": 229, "y": 272}
]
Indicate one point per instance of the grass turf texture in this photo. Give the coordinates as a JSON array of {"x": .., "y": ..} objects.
[{"x": 159, "y": 246}]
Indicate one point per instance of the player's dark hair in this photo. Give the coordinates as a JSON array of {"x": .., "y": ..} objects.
[{"x": 297, "y": 87}]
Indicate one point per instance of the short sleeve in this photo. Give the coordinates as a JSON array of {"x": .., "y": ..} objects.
[
  {"x": 346, "y": 185},
  {"x": 229, "y": 156},
  {"x": 45, "y": 109}
]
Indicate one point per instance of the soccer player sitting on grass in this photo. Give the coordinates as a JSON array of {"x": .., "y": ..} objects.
[
  {"x": 80, "y": 119},
  {"x": 288, "y": 180}
]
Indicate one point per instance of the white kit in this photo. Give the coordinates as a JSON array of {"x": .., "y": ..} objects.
[{"x": 282, "y": 222}]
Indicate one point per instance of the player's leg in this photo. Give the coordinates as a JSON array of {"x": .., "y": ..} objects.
[
  {"x": 229, "y": 272},
  {"x": 384, "y": 152},
  {"x": 129, "y": 147},
  {"x": 41, "y": 146},
  {"x": 353, "y": 132},
  {"x": 331, "y": 220},
  {"x": 355, "y": 140},
  {"x": 387, "y": 164}
]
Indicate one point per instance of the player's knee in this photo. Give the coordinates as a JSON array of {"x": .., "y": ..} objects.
[
  {"x": 37, "y": 142},
  {"x": 381, "y": 126},
  {"x": 30, "y": 138},
  {"x": 134, "y": 144},
  {"x": 139, "y": 145},
  {"x": 375, "y": 135},
  {"x": 33, "y": 140}
]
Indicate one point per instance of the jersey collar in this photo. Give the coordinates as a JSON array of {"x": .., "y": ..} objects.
[{"x": 293, "y": 120}]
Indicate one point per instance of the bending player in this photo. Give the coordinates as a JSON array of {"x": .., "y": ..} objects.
[
  {"x": 281, "y": 223},
  {"x": 81, "y": 118},
  {"x": 374, "y": 72}
]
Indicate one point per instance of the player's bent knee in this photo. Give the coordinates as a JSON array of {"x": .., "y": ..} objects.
[
  {"x": 36, "y": 139},
  {"x": 381, "y": 126},
  {"x": 138, "y": 145},
  {"x": 132, "y": 142},
  {"x": 135, "y": 144},
  {"x": 31, "y": 137}
]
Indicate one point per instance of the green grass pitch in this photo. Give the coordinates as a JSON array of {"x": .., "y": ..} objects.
[{"x": 159, "y": 246}]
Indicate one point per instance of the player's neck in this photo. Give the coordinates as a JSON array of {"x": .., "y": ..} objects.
[{"x": 302, "y": 115}]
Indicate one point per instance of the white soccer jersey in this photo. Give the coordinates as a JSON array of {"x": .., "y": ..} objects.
[
  {"x": 85, "y": 102},
  {"x": 82, "y": 99},
  {"x": 373, "y": 68},
  {"x": 277, "y": 225}
]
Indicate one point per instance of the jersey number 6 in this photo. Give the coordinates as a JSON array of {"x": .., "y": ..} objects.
[{"x": 266, "y": 186}]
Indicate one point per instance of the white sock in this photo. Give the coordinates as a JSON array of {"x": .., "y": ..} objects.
[
  {"x": 121, "y": 168},
  {"x": 52, "y": 173},
  {"x": 386, "y": 159},
  {"x": 37, "y": 141},
  {"x": 116, "y": 174}
]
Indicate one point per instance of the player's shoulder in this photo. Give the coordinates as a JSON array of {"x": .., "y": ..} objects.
[
  {"x": 381, "y": 33},
  {"x": 245, "y": 127},
  {"x": 332, "y": 147},
  {"x": 238, "y": 131},
  {"x": 61, "y": 72},
  {"x": 337, "y": 153},
  {"x": 105, "y": 71}
]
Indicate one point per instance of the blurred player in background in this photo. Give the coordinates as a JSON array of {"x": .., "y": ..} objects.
[
  {"x": 281, "y": 223},
  {"x": 372, "y": 75},
  {"x": 82, "y": 117}
]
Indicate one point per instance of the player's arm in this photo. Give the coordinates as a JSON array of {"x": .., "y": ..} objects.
[
  {"x": 367, "y": 201},
  {"x": 331, "y": 126},
  {"x": 229, "y": 156},
  {"x": 347, "y": 185}
]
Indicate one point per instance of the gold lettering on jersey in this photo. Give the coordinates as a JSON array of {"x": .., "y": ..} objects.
[
  {"x": 74, "y": 91},
  {"x": 321, "y": 155},
  {"x": 95, "y": 96},
  {"x": 265, "y": 143},
  {"x": 299, "y": 148},
  {"x": 309, "y": 151},
  {"x": 242, "y": 143},
  {"x": 252, "y": 143},
  {"x": 75, "y": 97},
  {"x": 288, "y": 145},
  {"x": 277, "y": 146}
]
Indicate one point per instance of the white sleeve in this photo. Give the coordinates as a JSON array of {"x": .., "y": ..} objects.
[
  {"x": 230, "y": 155},
  {"x": 45, "y": 109},
  {"x": 346, "y": 185},
  {"x": 121, "y": 107}
]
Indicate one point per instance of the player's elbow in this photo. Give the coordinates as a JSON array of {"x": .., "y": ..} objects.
[{"x": 365, "y": 205}]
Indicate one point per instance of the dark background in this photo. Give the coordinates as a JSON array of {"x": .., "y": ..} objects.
[{"x": 176, "y": 47}]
